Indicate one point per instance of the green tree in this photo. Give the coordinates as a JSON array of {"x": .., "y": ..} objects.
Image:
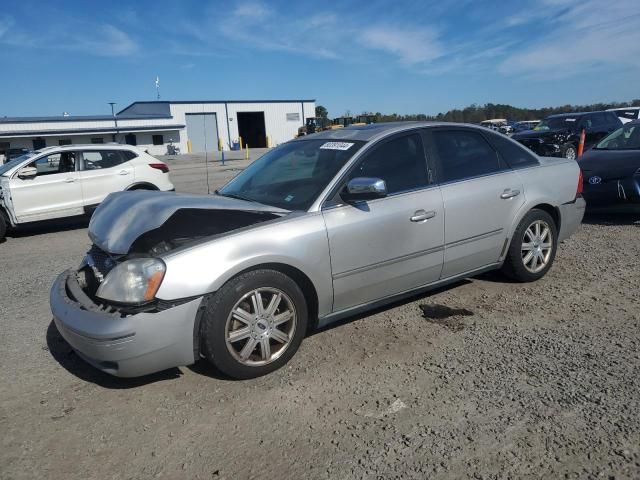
[{"x": 321, "y": 112}]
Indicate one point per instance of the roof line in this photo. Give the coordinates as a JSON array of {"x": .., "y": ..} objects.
[
  {"x": 216, "y": 101},
  {"x": 83, "y": 131},
  {"x": 81, "y": 118}
]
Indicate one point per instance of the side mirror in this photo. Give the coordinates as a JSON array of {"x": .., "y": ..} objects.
[
  {"x": 27, "y": 172},
  {"x": 365, "y": 188}
]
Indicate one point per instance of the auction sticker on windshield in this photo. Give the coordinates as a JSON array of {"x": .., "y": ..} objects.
[{"x": 336, "y": 146}]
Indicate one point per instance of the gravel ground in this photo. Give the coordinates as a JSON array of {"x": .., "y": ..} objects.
[{"x": 484, "y": 379}]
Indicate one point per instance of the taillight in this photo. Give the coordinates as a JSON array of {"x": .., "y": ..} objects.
[
  {"x": 163, "y": 167},
  {"x": 580, "y": 184}
]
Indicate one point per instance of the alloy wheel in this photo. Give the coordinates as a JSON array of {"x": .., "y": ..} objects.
[
  {"x": 537, "y": 244},
  {"x": 570, "y": 153},
  {"x": 261, "y": 326}
]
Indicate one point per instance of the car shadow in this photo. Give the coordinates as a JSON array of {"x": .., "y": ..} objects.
[
  {"x": 389, "y": 306},
  {"x": 612, "y": 216},
  {"x": 67, "y": 358},
  {"x": 204, "y": 368},
  {"x": 48, "y": 226}
]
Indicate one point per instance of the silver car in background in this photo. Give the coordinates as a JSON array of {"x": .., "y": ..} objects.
[{"x": 318, "y": 229}]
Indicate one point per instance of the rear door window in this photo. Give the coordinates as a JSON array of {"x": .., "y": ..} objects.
[
  {"x": 599, "y": 120},
  {"x": 463, "y": 154},
  {"x": 512, "y": 153},
  {"x": 101, "y": 159}
]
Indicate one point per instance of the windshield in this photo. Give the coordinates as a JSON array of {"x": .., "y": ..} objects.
[
  {"x": 557, "y": 123},
  {"x": 292, "y": 175},
  {"x": 15, "y": 161},
  {"x": 625, "y": 138}
]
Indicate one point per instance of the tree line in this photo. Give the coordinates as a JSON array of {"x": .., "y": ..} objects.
[{"x": 477, "y": 113}]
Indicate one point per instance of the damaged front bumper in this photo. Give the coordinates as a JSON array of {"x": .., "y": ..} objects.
[{"x": 119, "y": 344}]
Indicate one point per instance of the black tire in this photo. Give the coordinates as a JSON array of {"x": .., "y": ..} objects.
[
  {"x": 569, "y": 151},
  {"x": 3, "y": 227},
  {"x": 514, "y": 266},
  {"x": 218, "y": 311}
]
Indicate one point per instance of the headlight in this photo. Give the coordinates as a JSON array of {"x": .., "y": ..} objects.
[{"x": 134, "y": 281}]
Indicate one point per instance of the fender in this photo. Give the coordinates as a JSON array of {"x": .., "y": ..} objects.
[
  {"x": 142, "y": 186},
  {"x": 7, "y": 215},
  {"x": 300, "y": 243}
]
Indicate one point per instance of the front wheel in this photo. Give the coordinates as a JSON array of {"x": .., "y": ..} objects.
[
  {"x": 533, "y": 247},
  {"x": 3, "y": 227},
  {"x": 254, "y": 324}
]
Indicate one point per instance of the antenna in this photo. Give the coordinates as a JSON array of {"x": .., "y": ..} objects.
[
  {"x": 206, "y": 151},
  {"x": 158, "y": 87}
]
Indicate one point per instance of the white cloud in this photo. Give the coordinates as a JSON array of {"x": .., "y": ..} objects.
[
  {"x": 6, "y": 22},
  {"x": 100, "y": 40},
  {"x": 251, "y": 11},
  {"x": 410, "y": 46},
  {"x": 107, "y": 41},
  {"x": 587, "y": 36}
]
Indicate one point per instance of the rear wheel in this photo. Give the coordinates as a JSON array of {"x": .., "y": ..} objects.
[
  {"x": 533, "y": 247},
  {"x": 254, "y": 324}
]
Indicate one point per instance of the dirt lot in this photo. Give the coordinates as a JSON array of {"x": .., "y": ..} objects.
[{"x": 485, "y": 379}]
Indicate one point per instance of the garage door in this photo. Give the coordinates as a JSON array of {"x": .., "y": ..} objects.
[{"x": 202, "y": 130}]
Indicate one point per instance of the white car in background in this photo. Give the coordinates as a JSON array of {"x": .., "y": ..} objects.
[
  {"x": 66, "y": 181},
  {"x": 626, "y": 115}
]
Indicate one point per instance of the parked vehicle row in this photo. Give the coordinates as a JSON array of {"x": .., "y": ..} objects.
[
  {"x": 559, "y": 135},
  {"x": 65, "y": 181},
  {"x": 317, "y": 229}
]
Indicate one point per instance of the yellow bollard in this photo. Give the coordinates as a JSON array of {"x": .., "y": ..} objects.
[
  {"x": 189, "y": 146},
  {"x": 219, "y": 145},
  {"x": 241, "y": 146},
  {"x": 268, "y": 141},
  {"x": 246, "y": 152}
]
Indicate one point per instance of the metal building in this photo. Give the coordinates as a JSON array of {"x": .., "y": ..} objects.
[{"x": 194, "y": 126}]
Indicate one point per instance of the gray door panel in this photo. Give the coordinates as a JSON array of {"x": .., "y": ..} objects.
[
  {"x": 478, "y": 215},
  {"x": 202, "y": 130},
  {"x": 377, "y": 250}
]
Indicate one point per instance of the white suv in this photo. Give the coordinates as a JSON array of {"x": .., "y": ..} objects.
[{"x": 57, "y": 182}]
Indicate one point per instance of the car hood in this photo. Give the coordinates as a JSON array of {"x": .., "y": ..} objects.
[{"x": 125, "y": 217}]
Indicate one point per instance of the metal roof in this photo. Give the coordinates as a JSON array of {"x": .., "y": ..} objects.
[
  {"x": 98, "y": 130},
  {"x": 77, "y": 118},
  {"x": 148, "y": 106}
]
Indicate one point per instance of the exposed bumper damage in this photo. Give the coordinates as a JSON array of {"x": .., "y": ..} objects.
[
  {"x": 156, "y": 222},
  {"x": 121, "y": 344},
  {"x": 129, "y": 341}
]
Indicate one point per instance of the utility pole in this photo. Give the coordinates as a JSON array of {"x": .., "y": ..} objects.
[{"x": 115, "y": 120}]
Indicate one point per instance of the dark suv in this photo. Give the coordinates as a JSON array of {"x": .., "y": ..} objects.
[{"x": 559, "y": 135}]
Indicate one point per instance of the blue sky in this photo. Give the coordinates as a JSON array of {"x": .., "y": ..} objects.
[{"x": 388, "y": 56}]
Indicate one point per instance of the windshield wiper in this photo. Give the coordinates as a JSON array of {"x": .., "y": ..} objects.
[{"x": 234, "y": 195}]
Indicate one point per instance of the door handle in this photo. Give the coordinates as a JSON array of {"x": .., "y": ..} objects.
[
  {"x": 70, "y": 180},
  {"x": 508, "y": 193},
  {"x": 422, "y": 216},
  {"x": 123, "y": 172}
]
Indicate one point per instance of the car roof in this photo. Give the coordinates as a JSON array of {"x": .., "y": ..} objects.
[
  {"x": 374, "y": 131},
  {"x": 622, "y": 108},
  {"x": 75, "y": 146},
  {"x": 575, "y": 114}
]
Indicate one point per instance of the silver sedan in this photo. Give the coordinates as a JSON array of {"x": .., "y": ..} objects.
[{"x": 318, "y": 229}]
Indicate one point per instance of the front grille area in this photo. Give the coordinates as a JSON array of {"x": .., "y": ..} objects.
[{"x": 100, "y": 262}]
